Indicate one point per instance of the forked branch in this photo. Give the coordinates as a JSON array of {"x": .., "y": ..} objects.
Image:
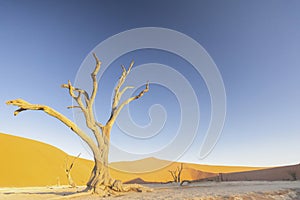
[
  {"x": 89, "y": 100},
  {"x": 122, "y": 79},
  {"x": 117, "y": 110},
  {"x": 77, "y": 97}
]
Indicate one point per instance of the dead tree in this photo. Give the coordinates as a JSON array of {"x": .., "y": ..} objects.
[
  {"x": 221, "y": 177},
  {"x": 293, "y": 175},
  {"x": 100, "y": 181},
  {"x": 179, "y": 169},
  {"x": 68, "y": 171},
  {"x": 176, "y": 174}
]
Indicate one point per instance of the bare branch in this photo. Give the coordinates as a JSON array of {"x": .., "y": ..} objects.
[
  {"x": 70, "y": 107},
  {"x": 99, "y": 125},
  {"x": 87, "y": 108},
  {"x": 78, "y": 96},
  {"x": 71, "y": 89},
  {"x": 116, "y": 112},
  {"x": 118, "y": 96},
  {"x": 124, "y": 90},
  {"x": 24, "y": 105},
  {"x": 130, "y": 66},
  {"x": 174, "y": 176},
  {"x": 79, "y": 92},
  {"x": 94, "y": 78},
  {"x": 71, "y": 166},
  {"x": 123, "y": 69},
  {"x": 122, "y": 79}
]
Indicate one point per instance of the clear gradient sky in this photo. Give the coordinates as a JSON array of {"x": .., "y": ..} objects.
[{"x": 255, "y": 44}]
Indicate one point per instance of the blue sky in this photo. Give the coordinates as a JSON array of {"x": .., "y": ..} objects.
[{"x": 255, "y": 45}]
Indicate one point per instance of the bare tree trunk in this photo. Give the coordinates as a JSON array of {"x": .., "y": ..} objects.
[
  {"x": 68, "y": 171},
  {"x": 100, "y": 179},
  {"x": 70, "y": 180},
  {"x": 179, "y": 172}
]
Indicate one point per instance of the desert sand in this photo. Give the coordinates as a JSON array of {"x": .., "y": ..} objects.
[{"x": 284, "y": 190}]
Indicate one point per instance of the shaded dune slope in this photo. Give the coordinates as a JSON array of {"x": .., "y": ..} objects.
[{"x": 284, "y": 173}]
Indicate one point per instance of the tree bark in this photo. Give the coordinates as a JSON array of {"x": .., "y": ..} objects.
[{"x": 100, "y": 176}]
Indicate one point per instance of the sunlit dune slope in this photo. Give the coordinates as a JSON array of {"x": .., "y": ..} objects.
[
  {"x": 222, "y": 169},
  {"x": 26, "y": 162}
]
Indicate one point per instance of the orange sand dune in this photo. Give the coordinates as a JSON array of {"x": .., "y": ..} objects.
[{"x": 26, "y": 162}]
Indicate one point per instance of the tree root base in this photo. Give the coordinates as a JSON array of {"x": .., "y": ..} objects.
[{"x": 118, "y": 188}]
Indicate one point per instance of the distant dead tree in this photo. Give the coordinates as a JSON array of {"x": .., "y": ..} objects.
[
  {"x": 100, "y": 181},
  {"x": 68, "y": 171},
  {"x": 176, "y": 174},
  {"x": 293, "y": 175},
  {"x": 220, "y": 177}
]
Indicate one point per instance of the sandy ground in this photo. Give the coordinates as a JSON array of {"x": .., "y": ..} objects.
[{"x": 208, "y": 190}]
